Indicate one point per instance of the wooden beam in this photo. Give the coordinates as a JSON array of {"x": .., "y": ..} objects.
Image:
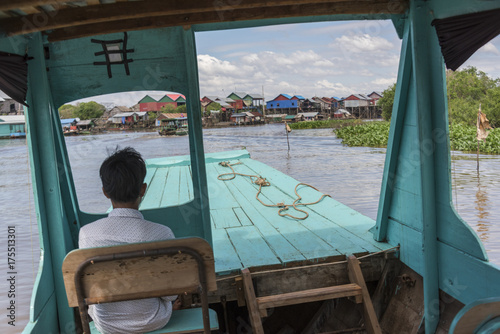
[
  {"x": 356, "y": 276},
  {"x": 253, "y": 308},
  {"x": 129, "y": 14},
  {"x": 307, "y": 296},
  {"x": 219, "y": 16},
  {"x": 285, "y": 280},
  {"x": 15, "y": 4}
]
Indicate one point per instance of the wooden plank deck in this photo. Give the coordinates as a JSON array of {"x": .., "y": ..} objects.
[{"x": 249, "y": 234}]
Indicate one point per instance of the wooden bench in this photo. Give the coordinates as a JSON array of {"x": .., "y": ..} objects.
[
  {"x": 479, "y": 317},
  {"x": 144, "y": 270}
]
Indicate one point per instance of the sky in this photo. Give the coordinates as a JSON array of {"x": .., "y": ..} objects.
[{"x": 314, "y": 59}]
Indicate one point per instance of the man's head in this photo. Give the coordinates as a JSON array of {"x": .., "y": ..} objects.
[{"x": 122, "y": 175}]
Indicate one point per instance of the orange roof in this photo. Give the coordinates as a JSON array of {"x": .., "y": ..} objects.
[{"x": 175, "y": 96}]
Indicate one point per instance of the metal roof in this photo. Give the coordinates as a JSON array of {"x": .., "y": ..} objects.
[
  {"x": 241, "y": 114},
  {"x": 239, "y": 94},
  {"x": 308, "y": 114},
  {"x": 255, "y": 96},
  {"x": 12, "y": 119},
  {"x": 124, "y": 114}
]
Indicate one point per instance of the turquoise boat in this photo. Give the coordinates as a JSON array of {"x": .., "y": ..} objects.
[{"x": 418, "y": 267}]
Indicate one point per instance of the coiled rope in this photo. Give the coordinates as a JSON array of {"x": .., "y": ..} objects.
[{"x": 262, "y": 182}]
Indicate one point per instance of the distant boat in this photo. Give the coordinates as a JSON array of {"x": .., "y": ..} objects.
[
  {"x": 182, "y": 131},
  {"x": 18, "y": 135}
]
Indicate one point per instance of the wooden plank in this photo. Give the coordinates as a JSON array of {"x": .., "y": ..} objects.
[
  {"x": 307, "y": 296},
  {"x": 365, "y": 7},
  {"x": 154, "y": 193},
  {"x": 195, "y": 12},
  {"x": 242, "y": 217},
  {"x": 281, "y": 246},
  {"x": 223, "y": 218},
  {"x": 356, "y": 276},
  {"x": 284, "y": 280},
  {"x": 348, "y": 223},
  {"x": 251, "y": 247},
  {"x": 172, "y": 185},
  {"x": 117, "y": 280},
  {"x": 253, "y": 308},
  {"x": 220, "y": 196},
  {"x": 30, "y": 10},
  {"x": 226, "y": 258},
  {"x": 309, "y": 244},
  {"x": 15, "y": 4},
  {"x": 185, "y": 185}
]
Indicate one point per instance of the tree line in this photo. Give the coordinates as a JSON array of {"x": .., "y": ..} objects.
[
  {"x": 466, "y": 90},
  {"x": 91, "y": 110}
]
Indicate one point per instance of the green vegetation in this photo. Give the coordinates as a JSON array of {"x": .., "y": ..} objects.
[
  {"x": 466, "y": 90},
  {"x": 67, "y": 111},
  {"x": 463, "y": 138},
  {"x": 168, "y": 109},
  {"x": 387, "y": 101},
  {"x": 469, "y": 88},
  {"x": 84, "y": 110},
  {"x": 331, "y": 123},
  {"x": 373, "y": 134},
  {"x": 181, "y": 109},
  {"x": 376, "y": 134}
]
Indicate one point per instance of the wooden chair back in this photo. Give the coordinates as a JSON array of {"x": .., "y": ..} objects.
[{"x": 137, "y": 271}]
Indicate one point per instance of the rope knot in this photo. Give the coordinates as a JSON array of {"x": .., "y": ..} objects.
[
  {"x": 224, "y": 163},
  {"x": 262, "y": 182},
  {"x": 282, "y": 205}
]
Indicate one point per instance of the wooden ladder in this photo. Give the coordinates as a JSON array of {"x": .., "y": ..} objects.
[{"x": 257, "y": 307}]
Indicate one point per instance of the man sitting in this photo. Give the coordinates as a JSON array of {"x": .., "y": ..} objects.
[{"x": 122, "y": 175}]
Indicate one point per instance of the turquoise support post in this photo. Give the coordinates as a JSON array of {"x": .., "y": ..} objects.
[
  {"x": 43, "y": 146},
  {"x": 197, "y": 153},
  {"x": 395, "y": 135},
  {"x": 430, "y": 94}
]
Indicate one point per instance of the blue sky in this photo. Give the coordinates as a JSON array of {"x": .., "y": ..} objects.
[{"x": 315, "y": 59}]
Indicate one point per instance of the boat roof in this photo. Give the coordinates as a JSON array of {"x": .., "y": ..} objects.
[{"x": 76, "y": 19}]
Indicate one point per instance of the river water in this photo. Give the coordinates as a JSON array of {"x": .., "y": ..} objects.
[{"x": 350, "y": 175}]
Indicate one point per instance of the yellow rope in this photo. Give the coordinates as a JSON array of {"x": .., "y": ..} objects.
[{"x": 262, "y": 182}]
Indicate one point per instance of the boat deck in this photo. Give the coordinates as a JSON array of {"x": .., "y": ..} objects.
[{"x": 249, "y": 234}]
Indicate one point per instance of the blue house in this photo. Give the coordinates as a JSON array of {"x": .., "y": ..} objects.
[{"x": 283, "y": 103}]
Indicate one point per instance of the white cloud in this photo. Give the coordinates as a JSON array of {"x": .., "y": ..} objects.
[
  {"x": 335, "y": 89},
  {"x": 489, "y": 48},
  {"x": 385, "y": 82},
  {"x": 363, "y": 43}
]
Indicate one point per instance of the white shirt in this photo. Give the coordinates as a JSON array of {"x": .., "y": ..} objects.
[{"x": 123, "y": 226}]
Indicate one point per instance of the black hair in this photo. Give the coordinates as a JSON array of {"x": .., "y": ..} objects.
[{"x": 122, "y": 175}]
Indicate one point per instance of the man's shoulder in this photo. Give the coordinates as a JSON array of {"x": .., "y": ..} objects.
[{"x": 159, "y": 227}]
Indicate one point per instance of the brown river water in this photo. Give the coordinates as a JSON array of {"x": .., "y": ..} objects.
[{"x": 350, "y": 175}]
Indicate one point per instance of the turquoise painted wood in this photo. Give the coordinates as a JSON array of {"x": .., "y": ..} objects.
[
  {"x": 182, "y": 321},
  {"x": 479, "y": 317},
  {"x": 432, "y": 237},
  {"x": 197, "y": 153},
  {"x": 332, "y": 229},
  {"x": 57, "y": 239},
  {"x": 227, "y": 257}
]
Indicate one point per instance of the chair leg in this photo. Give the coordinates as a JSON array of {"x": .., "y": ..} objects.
[{"x": 253, "y": 307}]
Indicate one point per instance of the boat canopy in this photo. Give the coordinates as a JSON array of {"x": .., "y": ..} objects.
[{"x": 54, "y": 52}]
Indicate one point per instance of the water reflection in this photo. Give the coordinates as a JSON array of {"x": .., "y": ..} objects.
[{"x": 482, "y": 207}]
